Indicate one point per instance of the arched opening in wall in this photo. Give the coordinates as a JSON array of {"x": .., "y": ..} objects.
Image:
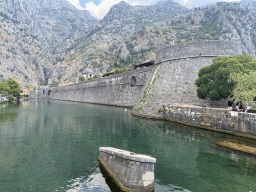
[
  {"x": 43, "y": 92},
  {"x": 133, "y": 81},
  {"x": 49, "y": 92}
]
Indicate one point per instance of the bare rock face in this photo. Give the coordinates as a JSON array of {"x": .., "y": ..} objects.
[
  {"x": 48, "y": 41},
  {"x": 32, "y": 31}
]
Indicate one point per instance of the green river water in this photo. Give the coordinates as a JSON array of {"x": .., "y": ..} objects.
[{"x": 48, "y": 145}]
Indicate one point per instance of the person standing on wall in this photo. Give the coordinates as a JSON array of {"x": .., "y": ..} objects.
[
  {"x": 241, "y": 107},
  {"x": 248, "y": 108},
  {"x": 230, "y": 105},
  {"x": 237, "y": 107}
]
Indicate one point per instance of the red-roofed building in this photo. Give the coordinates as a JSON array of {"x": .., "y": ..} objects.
[
  {"x": 25, "y": 92},
  {"x": 62, "y": 84}
]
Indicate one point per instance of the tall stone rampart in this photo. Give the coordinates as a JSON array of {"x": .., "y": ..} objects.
[
  {"x": 119, "y": 90},
  {"x": 173, "y": 82},
  {"x": 198, "y": 48},
  {"x": 170, "y": 82},
  {"x": 41, "y": 92}
]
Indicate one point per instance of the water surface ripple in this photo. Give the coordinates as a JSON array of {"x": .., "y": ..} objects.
[{"x": 49, "y": 145}]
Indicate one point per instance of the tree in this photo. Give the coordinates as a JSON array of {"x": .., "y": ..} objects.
[
  {"x": 245, "y": 86},
  {"x": 15, "y": 89},
  {"x": 214, "y": 80},
  {"x": 10, "y": 98},
  {"x": 4, "y": 88}
]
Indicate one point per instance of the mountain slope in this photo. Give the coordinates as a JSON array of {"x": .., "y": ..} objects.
[{"x": 52, "y": 41}]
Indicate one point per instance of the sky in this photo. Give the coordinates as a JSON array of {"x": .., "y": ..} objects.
[{"x": 99, "y": 8}]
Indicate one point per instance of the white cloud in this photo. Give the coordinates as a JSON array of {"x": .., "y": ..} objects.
[
  {"x": 76, "y": 3},
  {"x": 99, "y": 11},
  {"x": 201, "y": 2}
]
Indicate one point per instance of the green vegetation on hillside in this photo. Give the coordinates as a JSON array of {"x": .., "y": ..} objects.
[
  {"x": 116, "y": 71},
  {"x": 55, "y": 84},
  {"x": 94, "y": 77}
]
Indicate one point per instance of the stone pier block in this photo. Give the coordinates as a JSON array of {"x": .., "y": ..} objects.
[{"x": 129, "y": 171}]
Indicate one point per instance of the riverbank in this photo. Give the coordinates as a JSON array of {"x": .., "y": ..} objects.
[
  {"x": 3, "y": 102},
  {"x": 62, "y": 139},
  {"x": 213, "y": 119}
]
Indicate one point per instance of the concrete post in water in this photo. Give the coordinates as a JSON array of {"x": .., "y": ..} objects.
[{"x": 129, "y": 171}]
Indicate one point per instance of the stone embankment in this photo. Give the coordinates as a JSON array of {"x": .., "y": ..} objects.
[
  {"x": 221, "y": 120},
  {"x": 129, "y": 171}
]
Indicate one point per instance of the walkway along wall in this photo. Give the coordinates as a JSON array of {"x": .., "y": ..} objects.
[
  {"x": 222, "y": 120},
  {"x": 119, "y": 90},
  {"x": 173, "y": 79}
]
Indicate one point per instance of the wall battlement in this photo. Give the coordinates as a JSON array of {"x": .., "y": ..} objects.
[{"x": 197, "y": 48}]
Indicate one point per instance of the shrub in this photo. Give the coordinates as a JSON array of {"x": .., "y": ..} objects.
[
  {"x": 81, "y": 78},
  {"x": 10, "y": 98},
  {"x": 116, "y": 71}
]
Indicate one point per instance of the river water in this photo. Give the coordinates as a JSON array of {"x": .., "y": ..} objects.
[{"x": 49, "y": 145}]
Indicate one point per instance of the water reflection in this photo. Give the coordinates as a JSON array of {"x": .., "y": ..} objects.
[
  {"x": 51, "y": 145},
  {"x": 8, "y": 112},
  {"x": 190, "y": 158},
  {"x": 94, "y": 182}
]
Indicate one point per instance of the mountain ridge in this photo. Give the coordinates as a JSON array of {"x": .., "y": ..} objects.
[{"x": 46, "y": 42}]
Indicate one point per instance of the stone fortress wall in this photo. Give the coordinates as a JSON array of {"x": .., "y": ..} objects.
[
  {"x": 221, "y": 120},
  {"x": 174, "y": 78},
  {"x": 197, "y": 48},
  {"x": 41, "y": 92},
  {"x": 119, "y": 90},
  {"x": 170, "y": 81}
]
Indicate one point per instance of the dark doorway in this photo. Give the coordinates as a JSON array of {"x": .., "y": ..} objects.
[{"x": 133, "y": 81}]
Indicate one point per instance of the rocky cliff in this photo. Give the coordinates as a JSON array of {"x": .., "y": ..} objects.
[
  {"x": 47, "y": 41},
  {"x": 32, "y": 37}
]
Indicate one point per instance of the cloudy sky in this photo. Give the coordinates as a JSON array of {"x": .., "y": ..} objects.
[{"x": 99, "y": 8}]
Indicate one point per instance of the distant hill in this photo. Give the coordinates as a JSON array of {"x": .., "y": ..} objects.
[{"x": 52, "y": 41}]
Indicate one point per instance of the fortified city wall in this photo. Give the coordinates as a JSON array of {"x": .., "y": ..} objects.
[
  {"x": 41, "y": 92},
  {"x": 119, "y": 90},
  {"x": 173, "y": 82},
  {"x": 170, "y": 82},
  {"x": 194, "y": 49}
]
